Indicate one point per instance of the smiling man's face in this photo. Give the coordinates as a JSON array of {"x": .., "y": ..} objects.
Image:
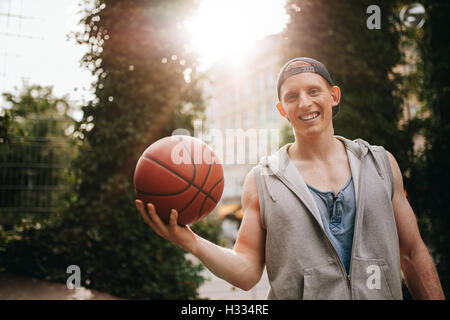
[{"x": 308, "y": 101}]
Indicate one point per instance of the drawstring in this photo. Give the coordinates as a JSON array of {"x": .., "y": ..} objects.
[
  {"x": 266, "y": 168},
  {"x": 264, "y": 175},
  {"x": 377, "y": 165}
]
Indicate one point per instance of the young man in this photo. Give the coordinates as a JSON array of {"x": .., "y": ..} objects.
[{"x": 327, "y": 216}]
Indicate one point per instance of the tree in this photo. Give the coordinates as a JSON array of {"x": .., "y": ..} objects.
[
  {"x": 35, "y": 154},
  {"x": 432, "y": 171},
  {"x": 145, "y": 87},
  {"x": 137, "y": 51}
]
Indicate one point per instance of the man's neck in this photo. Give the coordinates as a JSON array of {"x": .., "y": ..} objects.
[{"x": 322, "y": 147}]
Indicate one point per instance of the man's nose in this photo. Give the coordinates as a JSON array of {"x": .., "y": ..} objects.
[{"x": 304, "y": 100}]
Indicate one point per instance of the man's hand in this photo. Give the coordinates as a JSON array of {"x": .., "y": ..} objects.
[
  {"x": 180, "y": 235},
  {"x": 242, "y": 266}
]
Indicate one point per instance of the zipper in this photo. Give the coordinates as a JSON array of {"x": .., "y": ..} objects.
[
  {"x": 341, "y": 265},
  {"x": 328, "y": 241},
  {"x": 355, "y": 229},
  {"x": 347, "y": 277}
]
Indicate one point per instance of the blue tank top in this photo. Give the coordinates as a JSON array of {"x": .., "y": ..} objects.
[{"x": 338, "y": 217}]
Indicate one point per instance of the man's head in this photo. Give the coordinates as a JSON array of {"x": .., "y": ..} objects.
[{"x": 307, "y": 95}]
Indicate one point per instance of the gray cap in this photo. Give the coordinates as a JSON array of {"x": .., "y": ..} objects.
[{"x": 315, "y": 67}]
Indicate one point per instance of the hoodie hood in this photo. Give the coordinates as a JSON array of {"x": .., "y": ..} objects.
[
  {"x": 359, "y": 148},
  {"x": 280, "y": 165}
]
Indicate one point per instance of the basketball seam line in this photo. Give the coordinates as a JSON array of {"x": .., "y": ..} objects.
[
  {"x": 190, "y": 183},
  {"x": 204, "y": 200},
  {"x": 201, "y": 188},
  {"x": 193, "y": 163},
  {"x": 164, "y": 194}
]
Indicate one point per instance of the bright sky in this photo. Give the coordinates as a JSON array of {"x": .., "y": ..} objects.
[
  {"x": 34, "y": 48},
  {"x": 223, "y": 27}
]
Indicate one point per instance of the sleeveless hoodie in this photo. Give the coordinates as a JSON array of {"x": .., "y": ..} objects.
[{"x": 300, "y": 260}]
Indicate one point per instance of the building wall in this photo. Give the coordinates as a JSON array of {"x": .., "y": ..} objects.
[
  {"x": 411, "y": 106},
  {"x": 241, "y": 98}
]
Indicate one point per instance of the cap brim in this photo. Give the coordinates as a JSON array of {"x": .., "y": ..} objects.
[{"x": 336, "y": 110}]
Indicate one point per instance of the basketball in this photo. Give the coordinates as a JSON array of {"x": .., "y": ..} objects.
[{"x": 182, "y": 173}]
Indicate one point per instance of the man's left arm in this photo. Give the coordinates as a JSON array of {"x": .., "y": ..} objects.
[{"x": 417, "y": 265}]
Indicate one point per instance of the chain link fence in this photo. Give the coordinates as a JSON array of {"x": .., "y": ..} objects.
[{"x": 33, "y": 170}]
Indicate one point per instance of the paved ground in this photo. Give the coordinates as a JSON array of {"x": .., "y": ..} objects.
[
  {"x": 14, "y": 287},
  {"x": 218, "y": 289}
]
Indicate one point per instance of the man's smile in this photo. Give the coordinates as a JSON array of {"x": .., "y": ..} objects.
[{"x": 310, "y": 116}]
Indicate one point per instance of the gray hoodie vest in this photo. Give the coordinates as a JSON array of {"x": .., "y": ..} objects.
[{"x": 301, "y": 262}]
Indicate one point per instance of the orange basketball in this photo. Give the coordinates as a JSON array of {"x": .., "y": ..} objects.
[{"x": 179, "y": 172}]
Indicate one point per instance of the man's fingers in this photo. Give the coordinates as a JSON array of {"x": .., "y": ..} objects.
[
  {"x": 173, "y": 219},
  {"x": 151, "y": 217},
  {"x": 156, "y": 219},
  {"x": 141, "y": 208}
]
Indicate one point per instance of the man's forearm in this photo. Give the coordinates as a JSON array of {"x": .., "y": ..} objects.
[
  {"x": 420, "y": 275},
  {"x": 232, "y": 266}
]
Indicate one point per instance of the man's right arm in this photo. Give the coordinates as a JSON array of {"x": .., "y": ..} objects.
[{"x": 241, "y": 266}]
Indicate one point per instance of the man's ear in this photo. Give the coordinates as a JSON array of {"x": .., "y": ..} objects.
[
  {"x": 335, "y": 95},
  {"x": 280, "y": 109}
]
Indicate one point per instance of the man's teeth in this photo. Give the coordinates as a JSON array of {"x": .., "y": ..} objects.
[{"x": 310, "y": 116}]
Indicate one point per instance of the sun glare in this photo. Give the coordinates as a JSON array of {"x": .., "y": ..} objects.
[{"x": 230, "y": 27}]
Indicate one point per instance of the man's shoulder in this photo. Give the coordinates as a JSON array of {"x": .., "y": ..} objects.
[{"x": 364, "y": 142}]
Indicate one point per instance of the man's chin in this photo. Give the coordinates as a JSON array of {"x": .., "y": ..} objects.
[{"x": 310, "y": 133}]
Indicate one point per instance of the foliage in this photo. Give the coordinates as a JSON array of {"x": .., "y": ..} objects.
[
  {"x": 35, "y": 153},
  {"x": 5, "y": 124},
  {"x": 287, "y": 135},
  {"x": 136, "y": 51},
  {"x": 37, "y": 102},
  {"x": 432, "y": 171}
]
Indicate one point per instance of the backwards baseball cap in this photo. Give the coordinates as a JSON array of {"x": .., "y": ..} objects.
[{"x": 315, "y": 67}]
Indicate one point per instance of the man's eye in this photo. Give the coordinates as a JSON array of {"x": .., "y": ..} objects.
[
  {"x": 313, "y": 91},
  {"x": 291, "y": 97}
]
